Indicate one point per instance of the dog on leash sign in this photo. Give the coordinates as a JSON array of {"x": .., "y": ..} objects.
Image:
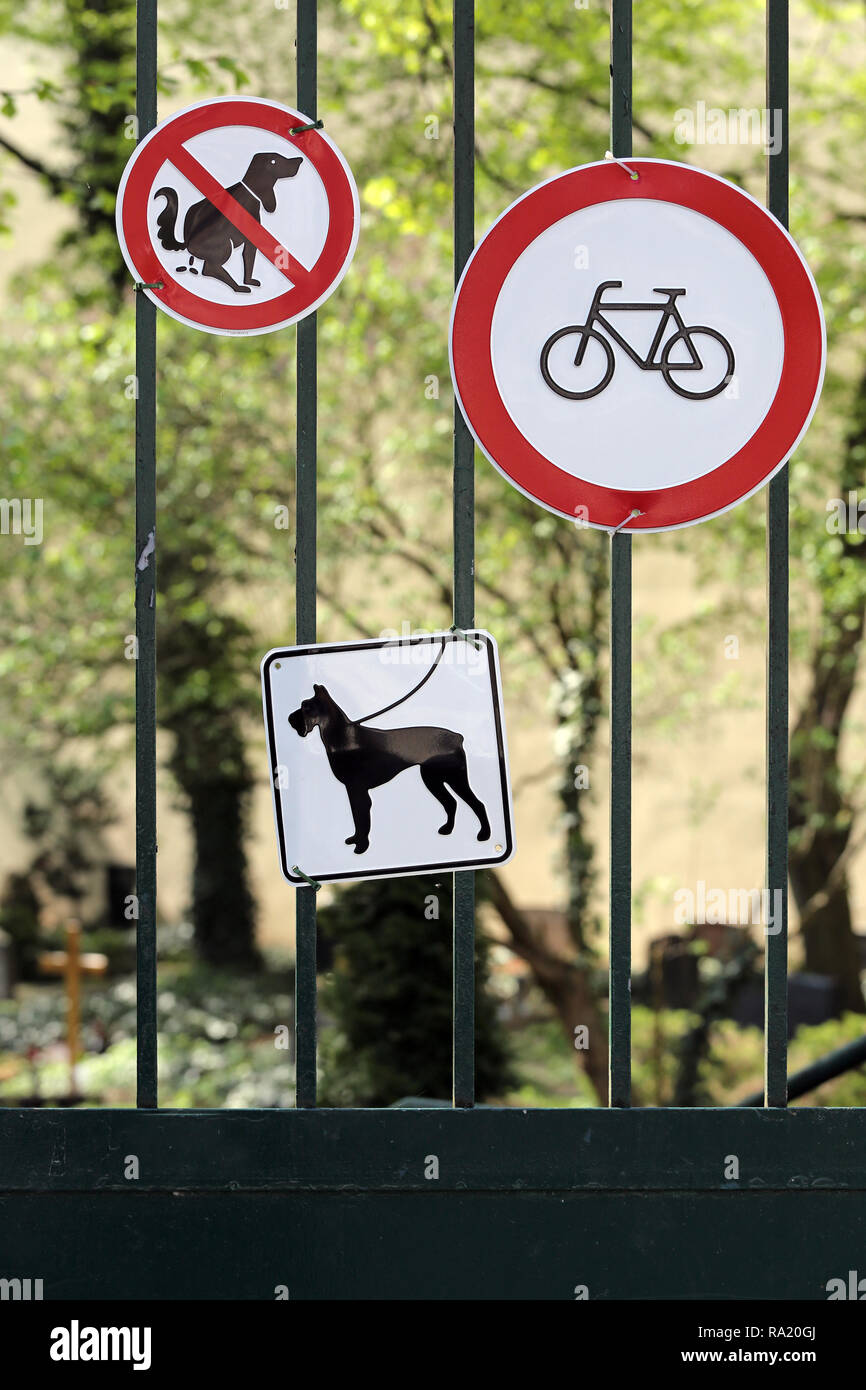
[{"x": 388, "y": 757}]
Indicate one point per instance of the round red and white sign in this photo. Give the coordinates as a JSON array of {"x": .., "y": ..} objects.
[
  {"x": 652, "y": 344},
  {"x": 234, "y": 219}
]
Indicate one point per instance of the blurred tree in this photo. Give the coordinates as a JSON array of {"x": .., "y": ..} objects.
[
  {"x": 390, "y": 996},
  {"x": 98, "y": 121},
  {"x": 823, "y": 807},
  {"x": 202, "y": 653},
  {"x": 64, "y": 819},
  {"x": 542, "y": 106},
  {"x": 69, "y": 650},
  {"x": 20, "y": 919},
  {"x": 385, "y": 405}
]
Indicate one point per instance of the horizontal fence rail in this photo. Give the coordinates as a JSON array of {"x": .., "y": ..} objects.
[{"x": 483, "y": 1150}]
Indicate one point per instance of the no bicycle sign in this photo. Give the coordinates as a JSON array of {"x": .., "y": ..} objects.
[
  {"x": 637, "y": 344},
  {"x": 237, "y": 216}
]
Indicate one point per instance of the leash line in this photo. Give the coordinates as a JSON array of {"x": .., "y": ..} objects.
[
  {"x": 404, "y": 698},
  {"x": 458, "y": 634}
]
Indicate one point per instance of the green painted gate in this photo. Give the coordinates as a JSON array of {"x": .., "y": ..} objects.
[{"x": 613, "y": 1203}]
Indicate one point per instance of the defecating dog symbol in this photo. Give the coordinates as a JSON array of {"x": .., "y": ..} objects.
[
  {"x": 365, "y": 758},
  {"x": 208, "y": 234}
]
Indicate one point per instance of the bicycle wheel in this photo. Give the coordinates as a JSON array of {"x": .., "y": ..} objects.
[
  {"x": 687, "y": 335},
  {"x": 583, "y": 336}
]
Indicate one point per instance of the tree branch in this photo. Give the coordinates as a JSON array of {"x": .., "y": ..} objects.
[{"x": 57, "y": 182}]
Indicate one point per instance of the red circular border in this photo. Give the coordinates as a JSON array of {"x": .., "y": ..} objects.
[
  {"x": 144, "y": 167},
  {"x": 528, "y": 469}
]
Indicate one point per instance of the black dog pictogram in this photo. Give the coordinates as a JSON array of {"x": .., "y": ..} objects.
[
  {"x": 365, "y": 758},
  {"x": 209, "y": 236}
]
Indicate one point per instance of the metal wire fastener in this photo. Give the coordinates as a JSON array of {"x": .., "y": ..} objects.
[
  {"x": 143, "y": 285},
  {"x": 631, "y": 516},
  {"x": 306, "y": 877},
  {"x": 632, "y": 173},
  {"x": 464, "y": 636},
  {"x": 299, "y": 129}
]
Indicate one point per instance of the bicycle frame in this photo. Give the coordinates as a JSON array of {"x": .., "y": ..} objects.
[{"x": 668, "y": 311}]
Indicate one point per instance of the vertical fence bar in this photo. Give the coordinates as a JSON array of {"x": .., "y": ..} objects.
[
  {"x": 464, "y": 535},
  {"x": 145, "y": 610},
  {"x": 305, "y": 590},
  {"x": 620, "y": 656},
  {"x": 776, "y": 959}
]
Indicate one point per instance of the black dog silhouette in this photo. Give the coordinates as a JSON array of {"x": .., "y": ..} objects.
[
  {"x": 209, "y": 236},
  {"x": 363, "y": 758}
]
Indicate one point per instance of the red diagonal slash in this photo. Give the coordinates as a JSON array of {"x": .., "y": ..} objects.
[{"x": 207, "y": 185}]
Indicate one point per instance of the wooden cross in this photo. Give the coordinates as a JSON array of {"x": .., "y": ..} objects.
[{"x": 72, "y": 964}]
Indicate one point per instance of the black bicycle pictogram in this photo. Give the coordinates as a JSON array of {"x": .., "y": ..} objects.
[{"x": 669, "y": 312}]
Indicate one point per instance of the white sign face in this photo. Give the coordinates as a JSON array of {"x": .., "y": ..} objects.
[
  {"x": 388, "y": 757},
  {"x": 637, "y": 343},
  {"x": 637, "y": 431}
]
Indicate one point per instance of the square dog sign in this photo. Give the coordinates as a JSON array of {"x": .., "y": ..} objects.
[{"x": 388, "y": 757}]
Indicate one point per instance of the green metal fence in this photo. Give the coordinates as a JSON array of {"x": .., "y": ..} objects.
[
  {"x": 145, "y": 608},
  {"x": 464, "y": 605},
  {"x": 620, "y": 602}
]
